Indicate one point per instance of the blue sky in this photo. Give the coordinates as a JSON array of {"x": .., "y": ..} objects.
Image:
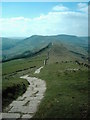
[
  {"x": 31, "y": 9},
  {"x": 29, "y": 18}
]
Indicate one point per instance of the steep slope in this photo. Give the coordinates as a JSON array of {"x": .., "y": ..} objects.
[
  {"x": 28, "y": 53},
  {"x": 29, "y": 44},
  {"x": 36, "y": 42},
  {"x": 8, "y": 43}
]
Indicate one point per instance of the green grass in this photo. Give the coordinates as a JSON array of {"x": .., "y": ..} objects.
[
  {"x": 67, "y": 92},
  {"x": 21, "y": 64},
  {"x": 66, "y": 95},
  {"x": 12, "y": 85}
]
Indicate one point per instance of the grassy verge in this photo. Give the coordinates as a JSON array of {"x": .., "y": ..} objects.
[
  {"x": 67, "y": 92},
  {"x": 11, "y": 89},
  {"x": 12, "y": 85}
]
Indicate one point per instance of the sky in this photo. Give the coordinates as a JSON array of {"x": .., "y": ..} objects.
[
  {"x": 23, "y": 19},
  {"x": 45, "y": 0}
]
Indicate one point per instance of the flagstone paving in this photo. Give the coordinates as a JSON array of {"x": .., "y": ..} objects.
[{"x": 26, "y": 105}]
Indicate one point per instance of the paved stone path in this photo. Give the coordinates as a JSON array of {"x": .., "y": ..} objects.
[{"x": 26, "y": 106}]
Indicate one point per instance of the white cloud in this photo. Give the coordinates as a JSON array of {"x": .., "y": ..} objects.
[
  {"x": 83, "y": 7},
  {"x": 65, "y": 22},
  {"x": 60, "y": 8}
]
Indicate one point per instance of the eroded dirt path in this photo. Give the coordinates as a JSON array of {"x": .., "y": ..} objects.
[
  {"x": 26, "y": 106},
  {"x": 38, "y": 70}
]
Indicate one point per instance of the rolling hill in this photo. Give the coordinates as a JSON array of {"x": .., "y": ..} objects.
[
  {"x": 13, "y": 48},
  {"x": 66, "y": 80}
]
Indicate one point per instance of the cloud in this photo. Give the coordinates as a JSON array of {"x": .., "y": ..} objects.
[
  {"x": 83, "y": 7},
  {"x": 55, "y": 22},
  {"x": 60, "y": 8}
]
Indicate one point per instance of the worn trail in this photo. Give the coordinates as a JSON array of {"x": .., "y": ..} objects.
[{"x": 26, "y": 106}]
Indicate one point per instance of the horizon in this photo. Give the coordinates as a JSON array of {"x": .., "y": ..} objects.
[
  {"x": 20, "y": 37},
  {"x": 18, "y": 20}
]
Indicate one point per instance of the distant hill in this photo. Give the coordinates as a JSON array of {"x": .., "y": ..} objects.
[
  {"x": 8, "y": 43},
  {"x": 15, "y": 47},
  {"x": 27, "y": 54}
]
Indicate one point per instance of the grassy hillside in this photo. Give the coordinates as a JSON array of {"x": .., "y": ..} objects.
[
  {"x": 36, "y": 42},
  {"x": 67, "y": 85},
  {"x": 67, "y": 81},
  {"x": 27, "y": 54},
  {"x": 59, "y": 52},
  {"x": 8, "y": 43},
  {"x": 12, "y": 85},
  {"x": 67, "y": 91}
]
